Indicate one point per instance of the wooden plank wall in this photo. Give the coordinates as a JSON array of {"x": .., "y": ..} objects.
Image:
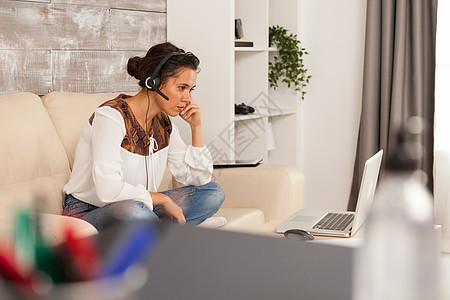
[{"x": 75, "y": 45}]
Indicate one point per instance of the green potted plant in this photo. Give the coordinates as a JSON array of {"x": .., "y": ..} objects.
[{"x": 287, "y": 64}]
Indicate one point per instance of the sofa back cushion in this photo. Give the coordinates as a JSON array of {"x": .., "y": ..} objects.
[
  {"x": 70, "y": 112},
  {"x": 32, "y": 157}
]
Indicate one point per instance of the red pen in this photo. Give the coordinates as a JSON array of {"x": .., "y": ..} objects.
[
  {"x": 82, "y": 256},
  {"x": 8, "y": 268}
]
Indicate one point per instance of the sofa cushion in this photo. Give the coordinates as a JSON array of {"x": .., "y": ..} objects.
[
  {"x": 241, "y": 218},
  {"x": 274, "y": 189},
  {"x": 32, "y": 158}
]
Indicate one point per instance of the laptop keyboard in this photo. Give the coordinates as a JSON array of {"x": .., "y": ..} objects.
[{"x": 334, "y": 221}]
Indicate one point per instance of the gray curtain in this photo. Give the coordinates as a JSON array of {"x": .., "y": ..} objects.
[{"x": 399, "y": 69}]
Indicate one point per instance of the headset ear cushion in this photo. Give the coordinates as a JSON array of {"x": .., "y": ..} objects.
[
  {"x": 152, "y": 83},
  {"x": 156, "y": 82},
  {"x": 148, "y": 83}
]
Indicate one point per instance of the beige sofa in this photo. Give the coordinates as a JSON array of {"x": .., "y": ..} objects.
[{"x": 38, "y": 140}]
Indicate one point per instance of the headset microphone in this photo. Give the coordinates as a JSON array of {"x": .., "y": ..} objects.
[{"x": 153, "y": 82}]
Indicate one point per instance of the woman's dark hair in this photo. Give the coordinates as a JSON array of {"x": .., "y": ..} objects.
[{"x": 142, "y": 67}]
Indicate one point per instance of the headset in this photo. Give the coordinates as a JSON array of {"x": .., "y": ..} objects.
[{"x": 153, "y": 83}]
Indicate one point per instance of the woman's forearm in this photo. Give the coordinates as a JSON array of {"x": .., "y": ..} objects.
[{"x": 197, "y": 136}]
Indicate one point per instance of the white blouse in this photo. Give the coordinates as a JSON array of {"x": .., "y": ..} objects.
[{"x": 114, "y": 152}]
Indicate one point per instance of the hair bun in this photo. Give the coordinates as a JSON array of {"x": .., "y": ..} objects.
[{"x": 133, "y": 66}]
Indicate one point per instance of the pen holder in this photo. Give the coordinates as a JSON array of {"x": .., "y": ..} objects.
[{"x": 76, "y": 270}]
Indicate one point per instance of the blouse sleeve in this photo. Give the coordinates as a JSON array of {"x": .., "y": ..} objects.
[
  {"x": 108, "y": 131},
  {"x": 188, "y": 164}
]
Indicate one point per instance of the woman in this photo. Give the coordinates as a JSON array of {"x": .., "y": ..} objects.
[{"x": 127, "y": 143}]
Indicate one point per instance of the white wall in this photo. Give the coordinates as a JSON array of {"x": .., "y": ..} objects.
[
  {"x": 442, "y": 124},
  {"x": 333, "y": 33}
]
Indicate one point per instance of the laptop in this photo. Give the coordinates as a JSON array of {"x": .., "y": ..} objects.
[{"x": 338, "y": 223}]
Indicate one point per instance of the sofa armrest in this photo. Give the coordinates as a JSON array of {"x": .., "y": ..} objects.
[{"x": 277, "y": 190}]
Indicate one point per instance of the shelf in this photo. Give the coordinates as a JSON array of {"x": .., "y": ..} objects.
[
  {"x": 249, "y": 49},
  {"x": 272, "y": 113},
  {"x": 251, "y": 116},
  {"x": 282, "y": 112}
]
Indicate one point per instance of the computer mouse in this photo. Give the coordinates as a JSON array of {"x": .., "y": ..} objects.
[{"x": 298, "y": 234}]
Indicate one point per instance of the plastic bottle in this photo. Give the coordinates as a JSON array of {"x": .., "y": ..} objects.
[{"x": 399, "y": 257}]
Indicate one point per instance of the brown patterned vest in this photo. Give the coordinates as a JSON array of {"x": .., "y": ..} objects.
[{"x": 136, "y": 140}]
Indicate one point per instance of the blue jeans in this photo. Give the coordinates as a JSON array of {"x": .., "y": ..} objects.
[{"x": 197, "y": 202}]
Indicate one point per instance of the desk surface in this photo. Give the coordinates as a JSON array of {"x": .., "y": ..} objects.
[{"x": 195, "y": 263}]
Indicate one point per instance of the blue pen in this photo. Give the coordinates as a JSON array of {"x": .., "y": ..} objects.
[{"x": 138, "y": 244}]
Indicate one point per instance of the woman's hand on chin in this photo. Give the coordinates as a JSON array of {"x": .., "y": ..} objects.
[{"x": 191, "y": 114}]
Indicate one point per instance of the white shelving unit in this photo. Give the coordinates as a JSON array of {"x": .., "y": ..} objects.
[{"x": 233, "y": 75}]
